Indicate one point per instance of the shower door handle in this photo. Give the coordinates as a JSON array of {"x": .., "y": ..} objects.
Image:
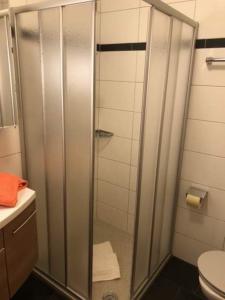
[{"x": 103, "y": 133}]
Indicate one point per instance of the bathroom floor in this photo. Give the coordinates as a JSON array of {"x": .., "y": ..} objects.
[
  {"x": 177, "y": 281},
  {"x": 122, "y": 245},
  {"x": 35, "y": 289}
]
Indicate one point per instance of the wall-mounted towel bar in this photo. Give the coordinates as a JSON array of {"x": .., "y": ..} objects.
[
  {"x": 103, "y": 133},
  {"x": 210, "y": 60}
]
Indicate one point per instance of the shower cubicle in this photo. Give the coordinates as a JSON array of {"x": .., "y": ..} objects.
[{"x": 55, "y": 62}]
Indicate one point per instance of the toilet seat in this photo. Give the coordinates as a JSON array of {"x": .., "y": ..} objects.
[
  {"x": 208, "y": 292},
  {"x": 211, "y": 267}
]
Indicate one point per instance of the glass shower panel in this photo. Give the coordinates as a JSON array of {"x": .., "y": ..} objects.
[
  {"x": 28, "y": 40},
  {"x": 6, "y": 97},
  {"x": 183, "y": 68},
  {"x": 156, "y": 83},
  {"x": 78, "y": 31},
  {"x": 51, "y": 62},
  {"x": 163, "y": 208}
]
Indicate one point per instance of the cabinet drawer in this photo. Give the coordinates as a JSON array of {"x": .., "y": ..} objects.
[
  {"x": 20, "y": 238},
  {"x": 4, "y": 292}
]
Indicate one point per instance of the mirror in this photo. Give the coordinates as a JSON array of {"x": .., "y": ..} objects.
[{"x": 7, "y": 107}]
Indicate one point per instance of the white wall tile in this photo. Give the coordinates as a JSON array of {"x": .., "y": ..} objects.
[
  {"x": 113, "y": 195},
  {"x": 204, "y": 169},
  {"x": 118, "y": 66},
  {"x": 144, "y": 3},
  {"x": 213, "y": 207},
  {"x": 116, "y": 121},
  {"x": 120, "y": 26},
  {"x": 112, "y": 216},
  {"x": 212, "y": 143},
  {"x": 97, "y": 65},
  {"x": 13, "y": 3},
  {"x": 95, "y": 196},
  {"x": 210, "y": 15},
  {"x": 130, "y": 225},
  {"x": 115, "y": 148},
  {"x": 9, "y": 141},
  {"x": 207, "y": 103},
  {"x": 133, "y": 179},
  {"x": 117, "y": 95},
  {"x": 187, "y": 8},
  {"x": 96, "y": 118},
  {"x": 135, "y": 153},
  {"x": 111, "y": 5},
  {"x": 11, "y": 164},
  {"x": 137, "y": 126},
  {"x": 114, "y": 172},
  {"x": 97, "y": 93},
  {"x": 140, "y": 66},
  {"x": 4, "y": 5},
  {"x": 144, "y": 24},
  {"x": 199, "y": 227},
  {"x": 189, "y": 249},
  {"x": 98, "y": 28},
  {"x": 138, "y": 99},
  {"x": 208, "y": 74},
  {"x": 132, "y": 202}
]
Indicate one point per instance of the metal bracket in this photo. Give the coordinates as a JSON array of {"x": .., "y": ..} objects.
[{"x": 103, "y": 133}]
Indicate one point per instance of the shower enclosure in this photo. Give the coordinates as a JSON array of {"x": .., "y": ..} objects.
[{"x": 63, "y": 135}]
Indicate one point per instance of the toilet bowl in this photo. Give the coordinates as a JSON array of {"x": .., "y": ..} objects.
[{"x": 211, "y": 266}]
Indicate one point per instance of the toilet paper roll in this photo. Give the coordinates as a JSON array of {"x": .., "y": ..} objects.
[{"x": 193, "y": 201}]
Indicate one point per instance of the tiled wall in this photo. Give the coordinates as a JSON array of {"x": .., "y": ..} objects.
[
  {"x": 204, "y": 155},
  {"x": 119, "y": 104},
  {"x": 10, "y": 153},
  {"x": 10, "y": 156}
]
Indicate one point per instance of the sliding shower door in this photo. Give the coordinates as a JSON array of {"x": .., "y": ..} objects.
[
  {"x": 167, "y": 80},
  {"x": 55, "y": 65}
]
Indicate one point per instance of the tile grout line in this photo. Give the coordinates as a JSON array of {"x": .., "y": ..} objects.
[
  {"x": 203, "y": 153},
  {"x": 206, "y": 121}
]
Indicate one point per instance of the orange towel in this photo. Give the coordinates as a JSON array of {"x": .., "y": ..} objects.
[{"x": 9, "y": 186}]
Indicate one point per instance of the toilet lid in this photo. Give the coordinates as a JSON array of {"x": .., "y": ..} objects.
[{"x": 212, "y": 267}]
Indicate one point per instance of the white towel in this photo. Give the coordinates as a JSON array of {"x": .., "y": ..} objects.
[{"x": 105, "y": 263}]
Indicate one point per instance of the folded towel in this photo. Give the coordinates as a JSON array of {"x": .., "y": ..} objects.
[
  {"x": 105, "y": 263},
  {"x": 9, "y": 186}
]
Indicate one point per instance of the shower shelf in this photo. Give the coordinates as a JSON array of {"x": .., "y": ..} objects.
[{"x": 103, "y": 133}]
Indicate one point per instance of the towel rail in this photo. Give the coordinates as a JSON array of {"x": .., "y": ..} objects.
[{"x": 210, "y": 60}]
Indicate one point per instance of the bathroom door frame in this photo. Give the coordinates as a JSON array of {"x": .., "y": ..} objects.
[
  {"x": 172, "y": 13},
  {"x": 12, "y": 12}
]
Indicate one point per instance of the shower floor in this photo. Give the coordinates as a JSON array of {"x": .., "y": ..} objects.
[{"x": 122, "y": 244}]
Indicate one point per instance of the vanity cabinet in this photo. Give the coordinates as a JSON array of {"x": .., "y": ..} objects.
[
  {"x": 19, "y": 241},
  {"x": 4, "y": 292}
]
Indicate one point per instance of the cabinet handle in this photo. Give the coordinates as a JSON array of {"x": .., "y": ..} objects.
[
  {"x": 2, "y": 250},
  {"x": 24, "y": 223}
]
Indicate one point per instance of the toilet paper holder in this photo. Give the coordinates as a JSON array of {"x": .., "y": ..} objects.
[{"x": 197, "y": 193}]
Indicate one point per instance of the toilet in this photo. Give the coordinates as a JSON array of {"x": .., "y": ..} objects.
[{"x": 211, "y": 266}]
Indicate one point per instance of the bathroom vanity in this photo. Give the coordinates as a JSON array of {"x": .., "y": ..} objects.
[{"x": 18, "y": 243}]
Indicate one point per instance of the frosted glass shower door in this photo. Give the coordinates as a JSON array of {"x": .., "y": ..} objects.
[
  {"x": 79, "y": 52},
  {"x": 55, "y": 66},
  {"x": 167, "y": 81},
  {"x": 158, "y": 62}
]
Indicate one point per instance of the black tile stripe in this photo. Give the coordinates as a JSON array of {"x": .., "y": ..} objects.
[
  {"x": 122, "y": 47},
  {"x": 210, "y": 43},
  {"x": 200, "y": 44}
]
